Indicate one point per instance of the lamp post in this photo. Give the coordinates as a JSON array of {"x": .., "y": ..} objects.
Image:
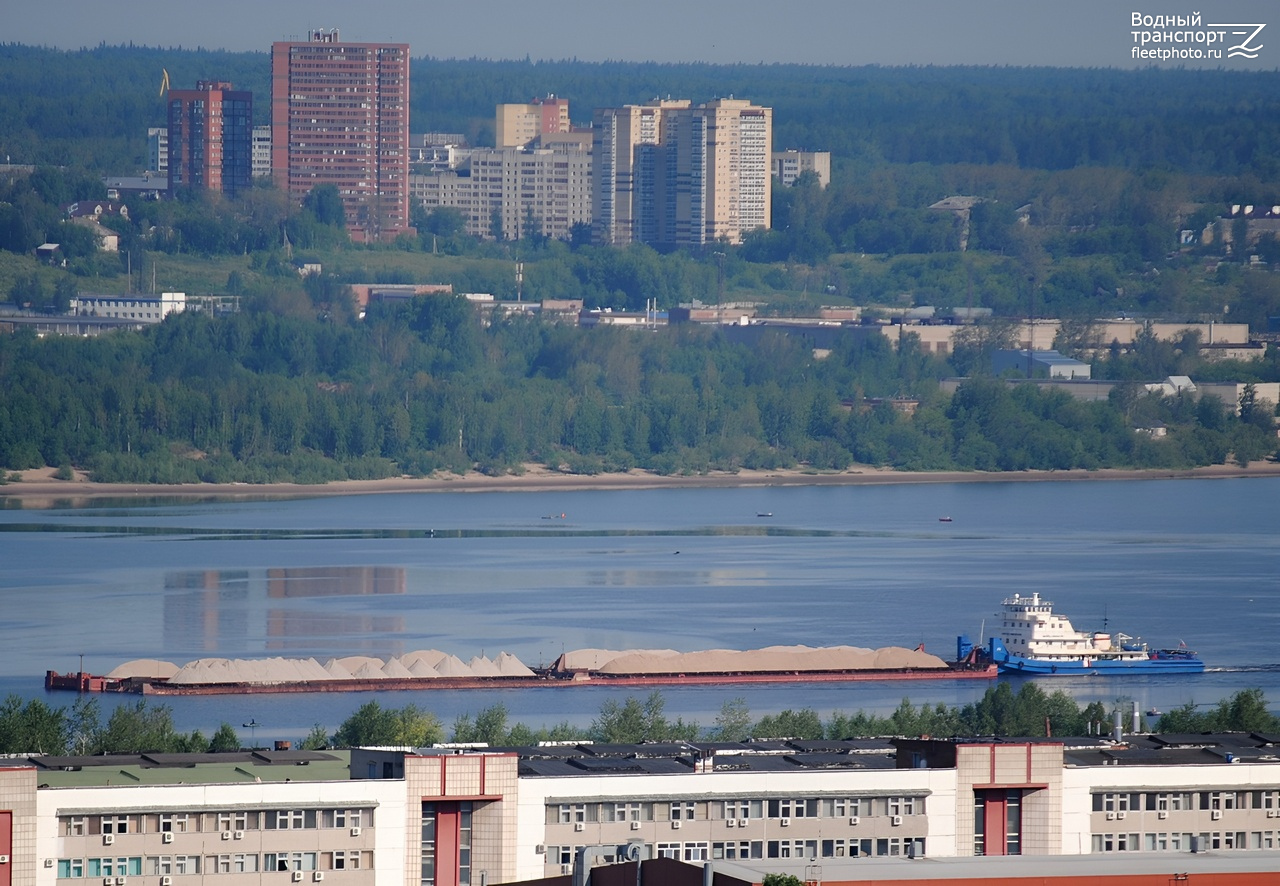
[{"x": 252, "y": 726}]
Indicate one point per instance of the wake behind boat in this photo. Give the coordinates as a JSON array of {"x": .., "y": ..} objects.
[{"x": 1036, "y": 642}]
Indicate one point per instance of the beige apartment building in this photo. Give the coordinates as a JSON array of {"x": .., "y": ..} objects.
[
  {"x": 517, "y": 125},
  {"x": 789, "y": 165},
  {"x": 674, "y": 174},
  {"x": 505, "y": 190}
]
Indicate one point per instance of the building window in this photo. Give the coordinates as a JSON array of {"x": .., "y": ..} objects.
[
  {"x": 1013, "y": 823},
  {"x": 284, "y": 861},
  {"x": 464, "y": 843},
  {"x": 668, "y": 850},
  {"x": 682, "y": 810},
  {"x": 738, "y": 849},
  {"x": 115, "y": 824},
  {"x": 427, "y": 848},
  {"x": 1116, "y": 802},
  {"x": 171, "y": 823},
  {"x": 344, "y": 860},
  {"x": 793, "y": 808},
  {"x": 572, "y": 813},
  {"x": 290, "y": 819},
  {"x": 628, "y": 812},
  {"x": 75, "y": 826},
  {"x": 70, "y": 868},
  {"x": 843, "y": 807},
  {"x": 130, "y": 866},
  {"x": 900, "y": 806},
  {"x": 792, "y": 849},
  {"x": 695, "y": 852}
]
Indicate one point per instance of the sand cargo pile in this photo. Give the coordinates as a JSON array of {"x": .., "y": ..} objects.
[{"x": 433, "y": 669}]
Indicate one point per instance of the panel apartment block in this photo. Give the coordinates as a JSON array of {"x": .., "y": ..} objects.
[
  {"x": 673, "y": 174},
  {"x": 340, "y": 116}
]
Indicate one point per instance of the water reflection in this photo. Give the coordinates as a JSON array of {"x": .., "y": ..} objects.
[{"x": 236, "y": 610}]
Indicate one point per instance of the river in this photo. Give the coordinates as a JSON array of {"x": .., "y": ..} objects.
[{"x": 537, "y": 573}]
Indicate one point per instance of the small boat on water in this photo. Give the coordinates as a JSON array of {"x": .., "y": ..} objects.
[
  {"x": 1036, "y": 642},
  {"x": 944, "y": 519}
]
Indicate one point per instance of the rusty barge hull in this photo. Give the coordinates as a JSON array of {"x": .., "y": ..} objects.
[{"x": 89, "y": 683}]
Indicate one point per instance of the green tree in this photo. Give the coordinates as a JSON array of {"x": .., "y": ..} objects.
[
  {"x": 32, "y": 728},
  {"x": 325, "y": 203},
  {"x": 802, "y": 724},
  {"x": 371, "y": 724},
  {"x": 733, "y": 722},
  {"x": 138, "y": 729},
  {"x": 782, "y": 880},
  {"x": 224, "y": 739},
  {"x": 317, "y": 739}
]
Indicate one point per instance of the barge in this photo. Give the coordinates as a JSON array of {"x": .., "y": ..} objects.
[{"x": 432, "y": 670}]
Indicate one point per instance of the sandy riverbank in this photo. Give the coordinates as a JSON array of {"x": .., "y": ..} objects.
[{"x": 38, "y": 488}]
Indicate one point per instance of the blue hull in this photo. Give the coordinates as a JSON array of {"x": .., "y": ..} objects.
[{"x": 1009, "y": 663}]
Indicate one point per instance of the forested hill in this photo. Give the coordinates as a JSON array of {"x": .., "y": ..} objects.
[{"x": 92, "y": 107}]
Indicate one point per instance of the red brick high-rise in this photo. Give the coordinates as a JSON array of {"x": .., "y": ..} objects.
[
  {"x": 340, "y": 116},
  {"x": 210, "y": 138}
]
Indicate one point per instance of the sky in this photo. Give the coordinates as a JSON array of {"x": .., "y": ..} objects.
[{"x": 1083, "y": 33}]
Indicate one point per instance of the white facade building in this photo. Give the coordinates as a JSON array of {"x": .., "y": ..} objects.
[{"x": 143, "y": 308}]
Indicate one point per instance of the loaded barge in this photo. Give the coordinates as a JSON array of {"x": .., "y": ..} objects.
[{"x": 590, "y": 667}]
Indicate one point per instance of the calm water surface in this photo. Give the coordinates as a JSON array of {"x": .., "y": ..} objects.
[{"x": 538, "y": 573}]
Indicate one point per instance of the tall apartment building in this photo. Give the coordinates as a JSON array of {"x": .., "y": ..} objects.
[
  {"x": 670, "y": 173},
  {"x": 504, "y": 191},
  {"x": 209, "y": 141},
  {"x": 517, "y": 125},
  {"x": 340, "y": 116},
  {"x": 625, "y": 146}
]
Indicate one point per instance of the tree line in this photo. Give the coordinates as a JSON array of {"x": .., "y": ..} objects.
[
  {"x": 429, "y": 386},
  {"x": 35, "y": 727},
  {"x": 92, "y": 106}
]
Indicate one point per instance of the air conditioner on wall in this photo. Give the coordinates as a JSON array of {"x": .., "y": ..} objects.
[
  {"x": 675, "y": 825},
  {"x": 238, "y": 835},
  {"x": 635, "y": 825},
  {"x": 896, "y": 820},
  {"x": 297, "y": 876},
  {"x": 1111, "y": 816},
  {"x": 48, "y": 862},
  {"x": 743, "y": 822},
  {"x": 1216, "y": 814},
  {"x": 1271, "y": 813},
  {"x": 318, "y": 876},
  {"x": 1163, "y": 813},
  {"x": 226, "y": 835},
  {"x": 853, "y": 819},
  {"x": 355, "y": 832},
  {"x": 166, "y": 881},
  {"x": 167, "y": 837},
  {"x": 579, "y": 826},
  {"x": 1120, "y": 816},
  {"x": 108, "y": 839},
  {"x": 4, "y": 859}
]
